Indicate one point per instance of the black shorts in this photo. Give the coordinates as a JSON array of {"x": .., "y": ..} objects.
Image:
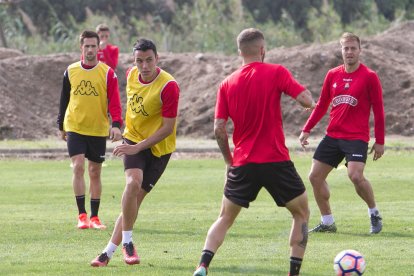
[
  {"x": 93, "y": 147},
  {"x": 151, "y": 165},
  {"x": 332, "y": 151},
  {"x": 280, "y": 179}
]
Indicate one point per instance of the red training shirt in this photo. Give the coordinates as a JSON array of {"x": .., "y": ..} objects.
[
  {"x": 352, "y": 95},
  {"x": 109, "y": 55},
  {"x": 251, "y": 98}
]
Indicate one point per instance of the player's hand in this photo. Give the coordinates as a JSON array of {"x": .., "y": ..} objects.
[
  {"x": 102, "y": 44},
  {"x": 312, "y": 107},
  {"x": 303, "y": 139},
  {"x": 378, "y": 151},
  {"x": 115, "y": 134},
  {"x": 125, "y": 149},
  {"x": 63, "y": 135}
]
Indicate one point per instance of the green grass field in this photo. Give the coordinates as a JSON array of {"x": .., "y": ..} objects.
[{"x": 39, "y": 237}]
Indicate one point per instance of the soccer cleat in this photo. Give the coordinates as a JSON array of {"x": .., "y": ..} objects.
[
  {"x": 130, "y": 254},
  {"x": 324, "y": 228},
  {"x": 376, "y": 223},
  {"x": 100, "y": 260},
  {"x": 200, "y": 271},
  {"x": 95, "y": 223},
  {"x": 83, "y": 222}
]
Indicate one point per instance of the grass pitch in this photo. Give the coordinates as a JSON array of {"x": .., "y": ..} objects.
[{"x": 38, "y": 217}]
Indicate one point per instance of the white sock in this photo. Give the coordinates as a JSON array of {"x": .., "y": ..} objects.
[
  {"x": 327, "y": 219},
  {"x": 110, "y": 249},
  {"x": 373, "y": 211},
  {"x": 126, "y": 236}
]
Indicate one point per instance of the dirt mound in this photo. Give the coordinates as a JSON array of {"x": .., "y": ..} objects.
[{"x": 30, "y": 85}]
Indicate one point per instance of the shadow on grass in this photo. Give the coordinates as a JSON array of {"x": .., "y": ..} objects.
[
  {"x": 383, "y": 234},
  {"x": 203, "y": 232},
  {"x": 239, "y": 270},
  {"x": 167, "y": 232}
]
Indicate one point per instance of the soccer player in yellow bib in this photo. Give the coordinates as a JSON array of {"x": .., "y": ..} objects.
[
  {"x": 149, "y": 140},
  {"x": 89, "y": 92}
]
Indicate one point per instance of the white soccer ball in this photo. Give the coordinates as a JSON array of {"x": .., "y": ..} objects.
[{"x": 349, "y": 262}]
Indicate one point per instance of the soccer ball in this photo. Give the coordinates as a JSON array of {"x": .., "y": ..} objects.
[{"x": 349, "y": 262}]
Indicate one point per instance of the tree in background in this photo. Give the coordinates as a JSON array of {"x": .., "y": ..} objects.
[
  {"x": 390, "y": 8},
  {"x": 298, "y": 11},
  {"x": 46, "y": 26}
]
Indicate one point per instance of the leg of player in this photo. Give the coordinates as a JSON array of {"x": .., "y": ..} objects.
[
  {"x": 130, "y": 205},
  {"x": 364, "y": 189},
  {"x": 95, "y": 189},
  {"x": 78, "y": 183},
  {"x": 128, "y": 249},
  {"x": 217, "y": 233},
  {"x": 116, "y": 239},
  {"x": 298, "y": 239},
  {"x": 118, "y": 236},
  {"x": 317, "y": 176}
]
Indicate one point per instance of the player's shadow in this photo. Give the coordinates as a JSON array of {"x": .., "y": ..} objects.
[
  {"x": 160, "y": 232},
  {"x": 382, "y": 234},
  {"x": 234, "y": 270},
  {"x": 252, "y": 271}
]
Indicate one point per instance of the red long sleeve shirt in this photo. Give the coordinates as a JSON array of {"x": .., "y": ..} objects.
[{"x": 351, "y": 95}]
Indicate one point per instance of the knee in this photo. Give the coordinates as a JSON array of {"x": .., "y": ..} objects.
[
  {"x": 356, "y": 177},
  {"x": 78, "y": 169},
  {"x": 302, "y": 214},
  {"x": 94, "y": 172},
  {"x": 301, "y": 210},
  {"x": 133, "y": 186},
  {"x": 227, "y": 220},
  {"x": 314, "y": 178}
]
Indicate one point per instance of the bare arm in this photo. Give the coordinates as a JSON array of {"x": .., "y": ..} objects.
[
  {"x": 305, "y": 99},
  {"x": 163, "y": 132},
  {"x": 222, "y": 140}
]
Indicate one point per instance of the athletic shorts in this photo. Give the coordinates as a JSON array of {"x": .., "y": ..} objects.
[
  {"x": 93, "y": 147},
  {"x": 151, "y": 165},
  {"x": 332, "y": 151},
  {"x": 280, "y": 179}
]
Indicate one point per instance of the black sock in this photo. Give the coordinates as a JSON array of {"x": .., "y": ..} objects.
[
  {"x": 295, "y": 264},
  {"x": 206, "y": 257},
  {"x": 95, "y": 206},
  {"x": 80, "y": 201}
]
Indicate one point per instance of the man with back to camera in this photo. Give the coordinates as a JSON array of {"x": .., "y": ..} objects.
[
  {"x": 352, "y": 89},
  {"x": 251, "y": 98},
  {"x": 89, "y": 91}
]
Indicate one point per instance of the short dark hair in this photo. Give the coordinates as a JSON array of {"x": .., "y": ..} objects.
[
  {"x": 88, "y": 34},
  {"x": 102, "y": 28},
  {"x": 143, "y": 44},
  {"x": 248, "y": 39}
]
